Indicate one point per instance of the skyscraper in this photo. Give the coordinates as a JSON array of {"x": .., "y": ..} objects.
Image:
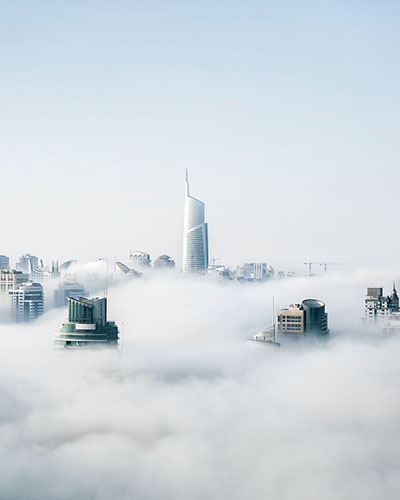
[
  {"x": 87, "y": 326},
  {"x": 27, "y": 301},
  {"x": 195, "y": 235}
]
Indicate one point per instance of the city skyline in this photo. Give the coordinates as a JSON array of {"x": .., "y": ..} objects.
[{"x": 272, "y": 112}]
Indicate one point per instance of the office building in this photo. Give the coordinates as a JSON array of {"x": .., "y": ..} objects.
[
  {"x": 139, "y": 258},
  {"x": 27, "y": 263},
  {"x": 87, "y": 326},
  {"x": 164, "y": 261},
  {"x": 4, "y": 262},
  {"x": 306, "y": 318},
  {"x": 195, "y": 235},
  {"x": 27, "y": 302},
  {"x": 67, "y": 289},
  {"x": 379, "y": 307},
  {"x": 11, "y": 279}
]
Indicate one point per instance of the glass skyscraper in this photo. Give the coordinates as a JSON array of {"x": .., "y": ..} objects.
[{"x": 195, "y": 235}]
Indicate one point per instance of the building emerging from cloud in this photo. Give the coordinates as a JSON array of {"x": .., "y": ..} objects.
[
  {"x": 195, "y": 235},
  {"x": 87, "y": 325}
]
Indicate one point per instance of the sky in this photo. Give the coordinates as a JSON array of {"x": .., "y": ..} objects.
[{"x": 285, "y": 113}]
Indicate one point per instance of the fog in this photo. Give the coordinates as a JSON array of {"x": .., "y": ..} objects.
[{"x": 188, "y": 409}]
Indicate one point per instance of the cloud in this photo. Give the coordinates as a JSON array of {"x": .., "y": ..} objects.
[{"x": 192, "y": 411}]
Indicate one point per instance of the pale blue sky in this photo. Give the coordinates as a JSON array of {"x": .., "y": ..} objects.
[{"x": 286, "y": 114}]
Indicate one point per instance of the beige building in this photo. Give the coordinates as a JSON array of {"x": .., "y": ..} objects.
[
  {"x": 10, "y": 280},
  {"x": 291, "y": 320}
]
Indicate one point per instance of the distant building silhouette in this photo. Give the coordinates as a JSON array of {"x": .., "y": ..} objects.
[
  {"x": 67, "y": 289},
  {"x": 164, "y": 261},
  {"x": 4, "y": 262}
]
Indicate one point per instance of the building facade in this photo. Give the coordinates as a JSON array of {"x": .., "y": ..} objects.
[
  {"x": 87, "y": 326},
  {"x": 139, "y": 258},
  {"x": 4, "y": 262},
  {"x": 27, "y": 263},
  {"x": 195, "y": 235},
  {"x": 27, "y": 302},
  {"x": 309, "y": 317},
  {"x": 379, "y": 307},
  {"x": 10, "y": 279}
]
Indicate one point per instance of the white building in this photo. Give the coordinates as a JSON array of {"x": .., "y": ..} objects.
[
  {"x": 195, "y": 235},
  {"x": 378, "y": 307},
  {"x": 10, "y": 279},
  {"x": 27, "y": 302}
]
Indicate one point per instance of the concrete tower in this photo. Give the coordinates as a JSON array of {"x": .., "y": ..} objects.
[{"x": 195, "y": 235}]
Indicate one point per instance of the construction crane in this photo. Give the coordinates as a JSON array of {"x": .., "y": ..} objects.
[
  {"x": 326, "y": 264},
  {"x": 310, "y": 264},
  {"x": 213, "y": 261}
]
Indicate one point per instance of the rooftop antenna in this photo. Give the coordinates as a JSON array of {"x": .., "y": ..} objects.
[
  {"x": 187, "y": 182},
  {"x": 273, "y": 315},
  {"x": 121, "y": 343}
]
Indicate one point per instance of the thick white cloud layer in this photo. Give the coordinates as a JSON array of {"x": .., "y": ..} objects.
[{"x": 192, "y": 411}]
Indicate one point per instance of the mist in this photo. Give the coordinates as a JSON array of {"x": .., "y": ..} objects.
[{"x": 188, "y": 409}]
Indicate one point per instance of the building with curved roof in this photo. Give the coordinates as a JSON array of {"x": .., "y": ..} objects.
[{"x": 195, "y": 235}]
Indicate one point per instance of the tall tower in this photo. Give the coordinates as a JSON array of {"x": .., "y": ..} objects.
[{"x": 195, "y": 235}]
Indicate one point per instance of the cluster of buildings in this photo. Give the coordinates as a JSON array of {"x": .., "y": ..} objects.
[
  {"x": 23, "y": 286},
  {"x": 382, "y": 310}
]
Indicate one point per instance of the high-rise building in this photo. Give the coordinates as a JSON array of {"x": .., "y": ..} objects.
[
  {"x": 67, "y": 289},
  {"x": 87, "y": 326},
  {"x": 309, "y": 317},
  {"x": 380, "y": 307},
  {"x": 164, "y": 261},
  {"x": 139, "y": 258},
  {"x": 10, "y": 279},
  {"x": 27, "y": 302},
  {"x": 195, "y": 235},
  {"x": 27, "y": 263},
  {"x": 4, "y": 262}
]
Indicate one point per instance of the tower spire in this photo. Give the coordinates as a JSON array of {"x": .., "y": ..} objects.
[{"x": 187, "y": 182}]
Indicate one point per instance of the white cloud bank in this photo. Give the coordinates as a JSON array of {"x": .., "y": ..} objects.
[{"x": 194, "y": 412}]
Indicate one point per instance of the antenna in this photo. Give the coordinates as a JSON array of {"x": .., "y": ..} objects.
[
  {"x": 187, "y": 182},
  {"x": 121, "y": 343},
  {"x": 273, "y": 315}
]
